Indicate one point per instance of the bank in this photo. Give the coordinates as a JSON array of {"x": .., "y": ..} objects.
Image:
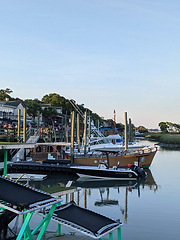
[{"x": 168, "y": 140}]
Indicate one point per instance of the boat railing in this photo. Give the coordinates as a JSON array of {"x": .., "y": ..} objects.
[{"x": 122, "y": 153}]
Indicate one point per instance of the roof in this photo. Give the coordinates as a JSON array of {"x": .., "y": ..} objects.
[{"x": 13, "y": 103}]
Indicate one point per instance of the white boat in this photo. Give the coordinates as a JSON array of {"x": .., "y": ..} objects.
[
  {"x": 104, "y": 144},
  {"x": 104, "y": 172},
  {"x": 26, "y": 176}
]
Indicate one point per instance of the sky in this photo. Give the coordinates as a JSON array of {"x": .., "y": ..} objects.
[{"x": 106, "y": 54}]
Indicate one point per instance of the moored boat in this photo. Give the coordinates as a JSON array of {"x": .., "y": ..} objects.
[
  {"x": 142, "y": 157},
  {"x": 103, "y": 171},
  {"x": 25, "y": 176}
]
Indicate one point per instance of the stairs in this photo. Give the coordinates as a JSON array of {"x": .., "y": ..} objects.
[{"x": 19, "y": 156}]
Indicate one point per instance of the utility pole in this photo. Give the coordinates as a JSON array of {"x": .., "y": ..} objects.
[{"x": 114, "y": 118}]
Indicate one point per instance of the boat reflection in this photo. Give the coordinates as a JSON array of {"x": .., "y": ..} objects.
[
  {"x": 109, "y": 190},
  {"x": 133, "y": 184},
  {"x": 105, "y": 187}
]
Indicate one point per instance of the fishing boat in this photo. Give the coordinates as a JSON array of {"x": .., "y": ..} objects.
[
  {"x": 143, "y": 157},
  {"x": 140, "y": 157},
  {"x": 103, "y": 171}
]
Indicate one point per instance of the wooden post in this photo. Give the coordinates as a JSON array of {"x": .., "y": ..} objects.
[
  {"x": 125, "y": 131},
  {"x": 77, "y": 201},
  {"x": 125, "y": 208},
  {"x": 85, "y": 131},
  {"x": 71, "y": 196},
  {"x": 62, "y": 131},
  {"x": 78, "y": 137},
  {"x": 85, "y": 198},
  {"x": 72, "y": 137},
  {"x": 24, "y": 124},
  {"x": 66, "y": 131},
  {"x": 130, "y": 131},
  {"x": 89, "y": 133},
  {"x": 38, "y": 115},
  {"x": 19, "y": 124}
]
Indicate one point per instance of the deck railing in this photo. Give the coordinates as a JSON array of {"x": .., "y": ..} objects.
[{"x": 11, "y": 134}]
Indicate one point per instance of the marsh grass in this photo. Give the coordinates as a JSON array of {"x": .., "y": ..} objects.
[{"x": 169, "y": 138}]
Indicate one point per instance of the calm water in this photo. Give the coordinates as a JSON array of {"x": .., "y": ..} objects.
[{"x": 149, "y": 210}]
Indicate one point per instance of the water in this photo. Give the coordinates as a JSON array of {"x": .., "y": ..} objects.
[{"x": 148, "y": 211}]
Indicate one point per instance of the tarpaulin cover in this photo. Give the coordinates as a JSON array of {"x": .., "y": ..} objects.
[
  {"x": 20, "y": 195},
  {"x": 95, "y": 223}
]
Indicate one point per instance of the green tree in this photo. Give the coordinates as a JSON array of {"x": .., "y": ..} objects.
[
  {"x": 58, "y": 101},
  {"x": 33, "y": 107},
  {"x": 142, "y": 129},
  {"x": 5, "y": 94},
  {"x": 120, "y": 127},
  {"x": 49, "y": 112},
  {"x": 163, "y": 126}
]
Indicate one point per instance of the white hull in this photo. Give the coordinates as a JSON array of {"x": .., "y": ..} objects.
[
  {"x": 102, "y": 178},
  {"x": 25, "y": 177}
]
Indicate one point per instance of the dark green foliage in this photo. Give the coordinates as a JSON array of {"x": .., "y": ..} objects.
[
  {"x": 120, "y": 127},
  {"x": 142, "y": 129},
  {"x": 4, "y": 94},
  {"x": 49, "y": 112},
  {"x": 163, "y": 126},
  {"x": 33, "y": 107}
]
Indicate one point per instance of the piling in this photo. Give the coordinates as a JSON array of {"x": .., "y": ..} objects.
[{"x": 125, "y": 131}]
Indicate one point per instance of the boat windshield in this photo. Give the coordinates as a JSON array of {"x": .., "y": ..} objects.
[{"x": 102, "y": 141}]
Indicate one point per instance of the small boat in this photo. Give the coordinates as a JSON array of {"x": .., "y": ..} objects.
[
  {"x": 103, "y": 171},
  {"x": 25, "y": 176}
]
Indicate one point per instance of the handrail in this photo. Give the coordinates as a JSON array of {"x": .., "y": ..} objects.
[{"x": 21, "y": 177}]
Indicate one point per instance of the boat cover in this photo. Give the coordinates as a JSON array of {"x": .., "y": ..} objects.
[
  {"x": 20, "y": 197},
  {"x": 86, "y": 221}
]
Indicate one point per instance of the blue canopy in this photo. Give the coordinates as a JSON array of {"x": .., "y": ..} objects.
[{"x": 108, "y": 129}]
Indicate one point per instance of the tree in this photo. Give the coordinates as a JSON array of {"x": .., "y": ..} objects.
[
  {"x": 163, "y": 126},
  {"x": 49, "y": 112},
  {"x": 33, "y": 107},
  {"x": 142, "y": 129},
  {"x": 4, "y": 94},
  {"x": 57, "y": 101},
  {"x": 120, "y": 127}
]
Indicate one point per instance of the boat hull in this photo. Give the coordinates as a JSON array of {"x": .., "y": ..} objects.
[
  {"x": 145, "y": 159},
  {"x": 113, "y": 174}
]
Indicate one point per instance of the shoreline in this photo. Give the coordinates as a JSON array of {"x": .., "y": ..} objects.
[{"x": 166, "y": 140}]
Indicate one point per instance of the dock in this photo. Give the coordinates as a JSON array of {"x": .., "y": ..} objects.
[{"x": 38, "y": 167}]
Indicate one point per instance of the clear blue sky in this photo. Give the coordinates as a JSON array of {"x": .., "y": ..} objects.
[{"x": 107, "y": 54}]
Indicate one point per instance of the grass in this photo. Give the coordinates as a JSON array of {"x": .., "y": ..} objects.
[
  {"x": 55, "y": 189},
  {"x": 169, "y": 138}
]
